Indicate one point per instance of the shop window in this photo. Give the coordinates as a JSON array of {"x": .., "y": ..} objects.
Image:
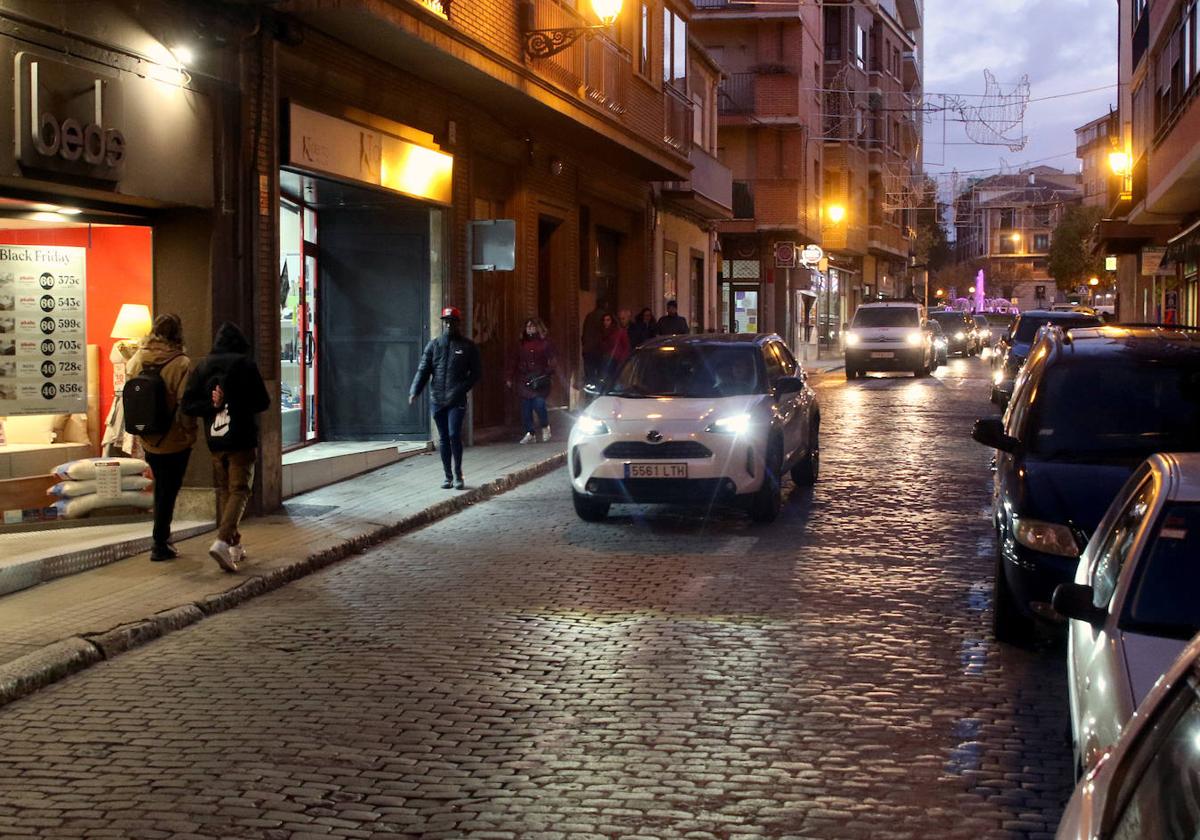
[{"x": 66, "y": 331}]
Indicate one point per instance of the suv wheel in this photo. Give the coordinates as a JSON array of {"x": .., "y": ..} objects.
[
  {"x": 765, "y": 503},
  {"x": 589, "y": 510},
  {"x": 1009, "y": 624},
  {"x": 807, "y": 470}
]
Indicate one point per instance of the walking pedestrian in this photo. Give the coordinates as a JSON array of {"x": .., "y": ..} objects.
[
  {"x": 227, "y": 393},
  {"x": 531, "y": 368},
  {"x": 450, "y": 366},
  {"x": 614, "y": 347},
  {"x": 643, "y": 329},
  {"x": 590, "y": 336},
  {"x": 672, "y": 323},
  {"x": 162, "y": 357}
]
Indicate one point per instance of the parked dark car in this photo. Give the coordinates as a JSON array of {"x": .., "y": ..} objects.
[
  {"x": 959, "y": 328},
  {"x": 1090, "y": 405},
  {"x": 1014, "y": 348}
]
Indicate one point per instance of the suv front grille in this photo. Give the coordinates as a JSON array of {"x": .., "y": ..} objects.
[{"x": 657, "y": 451}]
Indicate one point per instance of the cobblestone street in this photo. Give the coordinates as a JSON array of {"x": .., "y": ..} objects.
[{"x": 514, "y": 672}]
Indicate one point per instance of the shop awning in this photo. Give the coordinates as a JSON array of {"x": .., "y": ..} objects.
[
  {"x": 1184, "y": 247},
  {"x": 1117, "y": 236}
]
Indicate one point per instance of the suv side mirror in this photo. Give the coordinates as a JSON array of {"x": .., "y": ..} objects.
[
  {"x": 990, "y": 432},
  {"x": 1075, "y": 600},
  {"x": 788, "y": 385},
  {"x": 591, "y": 389}
]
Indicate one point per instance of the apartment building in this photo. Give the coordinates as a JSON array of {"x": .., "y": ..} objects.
[
  {"x": 1004, "y": 226},
  {"x": 1154, "y": 224},
  {"x": 872, "y": 140},
  {"x": 769, "y": 110},
  {"x": 1095, "y": 143}
]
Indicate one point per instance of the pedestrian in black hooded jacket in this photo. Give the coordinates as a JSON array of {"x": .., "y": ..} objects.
[
  {"x": 227, "y": 393},
  {"x": 450, "y": 366}
]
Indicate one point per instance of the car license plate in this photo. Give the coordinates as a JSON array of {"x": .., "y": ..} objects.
[
  {"x": 656, "y": 471},
  {"x": 888, "y": 354}
]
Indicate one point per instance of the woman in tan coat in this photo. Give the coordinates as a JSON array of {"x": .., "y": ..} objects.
[{"x": 167, "y": 453}]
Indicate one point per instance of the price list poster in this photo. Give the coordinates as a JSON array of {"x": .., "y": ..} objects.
[{"x": 43, "y": 335}]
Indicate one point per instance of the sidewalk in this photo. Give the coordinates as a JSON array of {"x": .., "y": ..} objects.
[{"x": 67, "y": 624}]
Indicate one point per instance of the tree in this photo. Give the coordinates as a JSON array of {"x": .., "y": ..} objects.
[
  {"x": 931, "y": 247},
  {"x": 1072, "y": 259}
]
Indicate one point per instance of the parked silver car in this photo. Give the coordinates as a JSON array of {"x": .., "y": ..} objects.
[
  {"x": 1147, "y": 785},
  {"x": 1133, "y": 605}
]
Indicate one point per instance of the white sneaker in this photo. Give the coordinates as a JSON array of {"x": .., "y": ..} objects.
[
  {"x": 220, "y": 552},
  {"x": 237, "y": 553},
  {"x": 529, "y": 438},
  {"x": 546, "y": 434}
]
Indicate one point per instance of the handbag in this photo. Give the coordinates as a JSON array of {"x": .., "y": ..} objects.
[{"x": 540, "y": 382}]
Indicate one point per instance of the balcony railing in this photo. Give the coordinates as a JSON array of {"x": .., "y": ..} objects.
[
  {"x": 606, "y": 72},
  {"x": 596, "y": 68},
  {"x": 736, "y": 94},
  {"x": 677, "y": 125}
]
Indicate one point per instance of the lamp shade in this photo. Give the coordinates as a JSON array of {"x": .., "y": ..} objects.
[{"x": 133, "y": 321}]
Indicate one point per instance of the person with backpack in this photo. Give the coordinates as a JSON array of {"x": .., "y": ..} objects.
[
  {"x": 226, "y": 391},
  {"x": 156, "y": 378},
  {"x": 450, "y": 366}
]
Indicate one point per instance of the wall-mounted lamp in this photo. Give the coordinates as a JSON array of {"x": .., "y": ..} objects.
[
  {"x": 543, "y": 43},
  {"x": 836, "y": 213}
]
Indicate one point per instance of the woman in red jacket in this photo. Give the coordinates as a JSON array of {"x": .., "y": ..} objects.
[
  {"x": 531, "y": 367},
  {"x": 614, "y": 343}
]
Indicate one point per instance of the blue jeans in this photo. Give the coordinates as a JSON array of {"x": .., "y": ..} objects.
[
  {"x": 530, "y": 405},
  {"x": 449, "y": 422}
]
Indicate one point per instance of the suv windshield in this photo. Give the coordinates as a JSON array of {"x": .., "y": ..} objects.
[
  {"x": 690, "y": 370},
  {"x": 1028, "y": 326},
  {"x": 887, "y": 316},
  {"x": 1167, "y": 569},
  {"x": 1118, "y": 409}
]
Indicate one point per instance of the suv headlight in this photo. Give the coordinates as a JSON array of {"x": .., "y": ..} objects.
[
  {"x": 852, "y": 339},
  {"x": 591, "y": 426},
  {"x": 960, "y": 335},
  {"x": 737, "y": 424},
  {"x": 913, "y": 338},
  {"x": 1046, "y": 537}
]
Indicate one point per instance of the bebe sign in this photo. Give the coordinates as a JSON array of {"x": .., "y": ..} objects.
[
  {"x": 71, "y": 141},
  {"x": 68, "y": 118}
]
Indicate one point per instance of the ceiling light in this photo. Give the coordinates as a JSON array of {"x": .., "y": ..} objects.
[{"x": 68, "y": 211}]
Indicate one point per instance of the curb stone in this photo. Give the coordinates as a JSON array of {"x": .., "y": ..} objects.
[{"x": 58, "y": 660}]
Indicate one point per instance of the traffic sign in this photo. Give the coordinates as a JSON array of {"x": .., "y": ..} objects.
[{"x": 785, "y": 254}]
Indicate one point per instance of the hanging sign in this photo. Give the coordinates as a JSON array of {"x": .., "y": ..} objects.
[
  {"x": 811, "y": 255},
  {"x": 43, "y": 335}
]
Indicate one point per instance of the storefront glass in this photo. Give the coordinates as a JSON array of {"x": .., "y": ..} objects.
[{"x": 63, "y": 347}]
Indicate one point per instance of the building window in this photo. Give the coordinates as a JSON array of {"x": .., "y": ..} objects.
[
  {"x": 1008, "y": 219},
  {"x": 860, "y": 47},
  {"x": 674, "y": 50},
  {"x": 644, "y": 39},
  {"x": 1041, "y": 242},
  {"x": 833, "y": 34}
]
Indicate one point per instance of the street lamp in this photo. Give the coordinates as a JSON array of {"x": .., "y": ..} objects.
[
  {"x": 543, "y": 43},
  {"x": 1095, "y": 281},
  {"x": 836, "y": 213},
  {"x": 1118, "y": 162},
  {"x": 1016, "y": 237}
]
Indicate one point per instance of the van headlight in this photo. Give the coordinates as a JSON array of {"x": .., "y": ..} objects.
[
  {"x": 1046, "y": 537},
  {"x": 852, "y": 339},
  {"x": 913, "y": 338},
  {"x": 591, "y": 426},
  {"x": 960, "y": 335},
  {"x": 736, "y": 424}
]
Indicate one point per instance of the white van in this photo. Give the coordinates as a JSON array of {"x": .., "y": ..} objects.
[{"x": 889, "y": 335}]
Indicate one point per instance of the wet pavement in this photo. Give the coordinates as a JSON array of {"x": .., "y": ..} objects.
[{"x": 513, "y": 672}]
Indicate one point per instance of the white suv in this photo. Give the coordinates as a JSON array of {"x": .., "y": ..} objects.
[
  {"x": 701, "y": 419},
  {"x": 889, "y": 336}
]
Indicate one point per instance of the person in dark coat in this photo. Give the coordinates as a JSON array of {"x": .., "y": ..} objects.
[
  {"x": 531, "y": 369},
  {"x": 643, "y": 328},
  {"x": 593, "y": 356},
  {"x": 614, "y": 347},
  {"x": 450, "y": 366},
  {"x": 227, "y": 393},
  {"x": 672, "y": 323}
]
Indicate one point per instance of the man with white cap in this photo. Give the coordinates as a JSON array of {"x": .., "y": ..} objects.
[{"x": 450, "y": 366}]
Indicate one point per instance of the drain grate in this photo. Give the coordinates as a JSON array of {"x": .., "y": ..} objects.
[{"x": 305, "y": 511}]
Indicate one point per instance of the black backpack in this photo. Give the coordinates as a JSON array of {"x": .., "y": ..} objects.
[{"x": 147, "y": 407}]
